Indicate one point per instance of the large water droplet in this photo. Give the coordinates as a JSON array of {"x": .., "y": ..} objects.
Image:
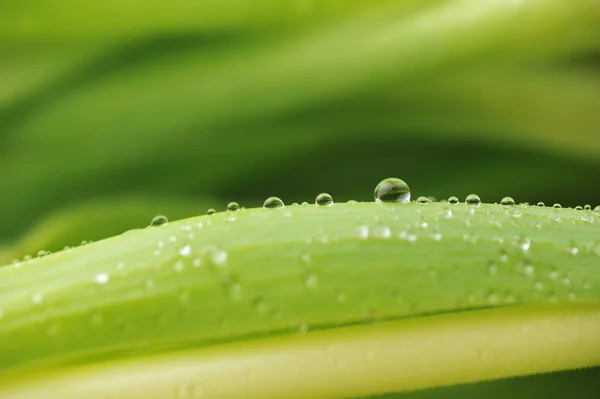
[
  {"x": 273, "y": 203},
  {"x": 473, "y": 199},
  {"x": 159, "y": 220},
  {"x": 324, "y": 199},
  {"x": 233, "y": 206},
  {"x": 392, "y": 190},
  {"x": 507, "y": 201},
  {"x": 453, "y": 200}
]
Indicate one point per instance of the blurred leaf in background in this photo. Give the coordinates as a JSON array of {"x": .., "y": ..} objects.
[{"x": 112, "y": 112}]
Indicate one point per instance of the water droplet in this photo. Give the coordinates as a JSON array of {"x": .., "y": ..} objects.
[
  {"x": 233, "y": 206},
  {"x": 392, "y": 190},
  {"x": 508, "y": 201},
  {"x": 362, "y": 232},
  {"x": 211, "y": 211},
  {"x": 587, "y": 207},
  {"x": 579, "y": 208},
  {"x": 311, "y": 280},
  {"x": 178, "y": 266},
  {"x": 453, "y": 200},
  {"x": 541, "y": 204},
  {"x": 158, "y": 220},
  {"x": 597, "y": 209},
  {"x": 41, "y": 253},
  {"x": 273, "y": 203},
  {"x": 101, "y": 278},
  {"x": 557, "y": 206},
  {"x": 382, "y": 232},
  {"x": 185, "y": 251},
  {"x": 473, "y": 199},
  {"x": 324, "y": 199},
  {"x": 218, "y": 256},
  {"x": 524, "y": 243},
  {"x": 422, "y": 200},
  {"x": 37, "y": 298},
  {"x": 197, "y": 262},
  {"x": 352, "y": 202},
  {"x": 437, "y": 236}
]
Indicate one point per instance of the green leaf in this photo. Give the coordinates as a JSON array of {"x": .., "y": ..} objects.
[{"x": 500, "y": 291}]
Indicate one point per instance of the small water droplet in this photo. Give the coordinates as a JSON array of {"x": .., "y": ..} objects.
[
  {"x": 158, "y": 220},
  {"x": 362, "y": 232},
  {"x": 437, "y": 236},
  {"x": 273, "y": 203},
  {"x": 422, "y": 200},
  {"x": 178, "y": 266},
  {"x": 352, "y": 202},
  {"x": 218, "y": 256},
  {"x": 557, "y": 206},
  {"x": 597, "y": 209},
  {"x": 311, "y": 280},
  {"x": 453, "y": 200},
  {"x": 473, "y": 200},
  {"x": 507, "y": 201},
  {"x": 185, "y": 251},
  {"x": 587, "y": 207},
  {"x": 101, "y": 278},
  {"x": 211, "y": 211},
  {"x": 37, "y": 298},
  {"x": 523, "y": 243},
  {"x": 305, "y": 258},
  {"x": 392, "y": 190},
  {"x": 382, "y": 232},
  {"x": 41, "y": 253},
  {"x": 579, "y": 208},
  {"x": 541, "y": 204},
  {"x": 233, "y": 206},
  {"x": 324, "y": 199}
]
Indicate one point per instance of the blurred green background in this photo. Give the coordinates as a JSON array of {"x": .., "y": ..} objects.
[{"x": 112, "y": 112}]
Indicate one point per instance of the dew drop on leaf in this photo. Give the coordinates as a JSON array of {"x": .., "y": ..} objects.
[
  {"x": 185, "y": 251},
  {"x": 273, "y": 203},
  {"x": 382, "y": 232},
  {"x": 422, "y": 200},
  {"x": 158, "y": 220},
  {"x": 392, "y": 190},
  {"x": 507, "y": 201},
  {"x": 211, "y": 211},
  {"x": 541, "y": 204},
  {"x": 324, "y": 199},
  {"x": 233, "y": 206},
  {"x": 587, "y": 207},
  {"x": 579, "y": 208},
  {"x": 473, "y": 199},
  {"x": 101, "y": 278},
  {"x": 557, "y": 206},
  {"x": 453, "y": 200}
]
